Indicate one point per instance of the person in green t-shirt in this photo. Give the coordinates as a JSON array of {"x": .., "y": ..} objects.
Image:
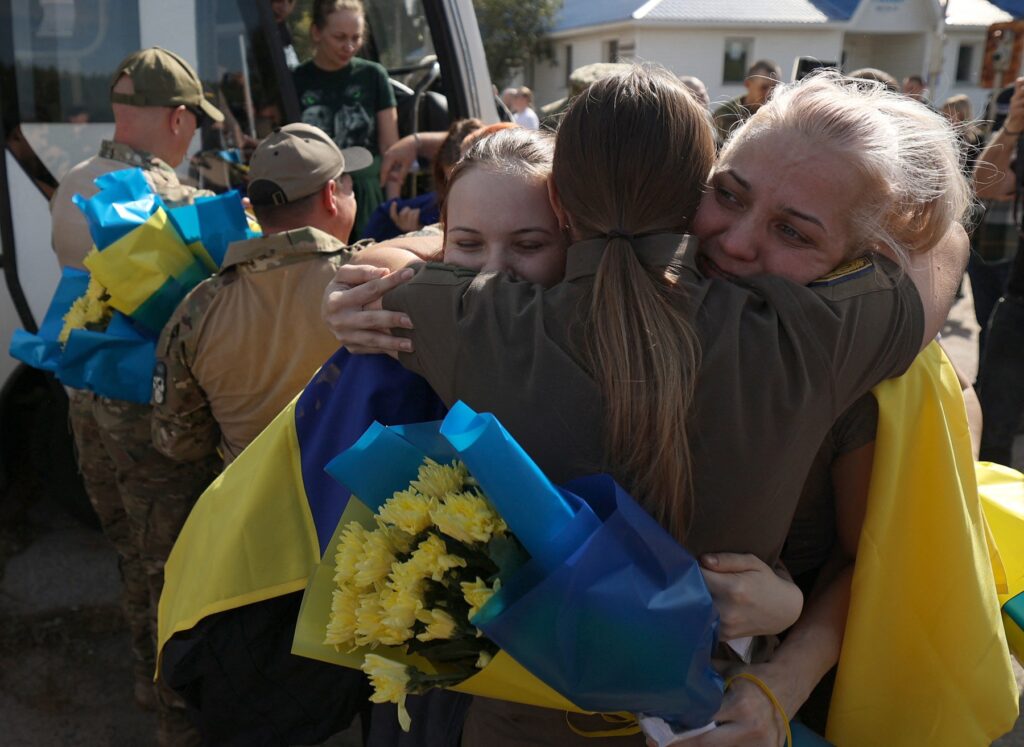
[{"x": 350, "y": 98}]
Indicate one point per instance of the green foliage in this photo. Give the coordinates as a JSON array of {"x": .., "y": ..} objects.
[{"x": 514, "y": 33}]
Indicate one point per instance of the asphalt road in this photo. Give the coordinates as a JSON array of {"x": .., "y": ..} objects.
[{"x": 65, "y": 675}]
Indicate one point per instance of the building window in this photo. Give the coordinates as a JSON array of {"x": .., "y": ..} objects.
[
  {"x": 737, "y": 58},
  {"x": 611, "y": 50},
  {"x": 568, "y": 65},
  {"x": 965, "y": 63}
]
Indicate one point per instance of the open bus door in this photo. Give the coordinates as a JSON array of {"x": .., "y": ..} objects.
[{"x": 55, "y": 63}]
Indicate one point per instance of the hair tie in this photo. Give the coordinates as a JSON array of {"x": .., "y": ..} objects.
[{"x": 620, "y": 234}]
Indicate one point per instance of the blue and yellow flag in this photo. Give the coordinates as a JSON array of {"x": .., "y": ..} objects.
[
  {"x": 924, "y": 659},
  {"x": 261, "y": 528}
]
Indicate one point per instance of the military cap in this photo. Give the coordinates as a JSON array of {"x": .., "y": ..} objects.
[
  {"x": 297, "y": 160},
  {"x": 162, "y": 78},
  {"x": 583, "y": 76}
]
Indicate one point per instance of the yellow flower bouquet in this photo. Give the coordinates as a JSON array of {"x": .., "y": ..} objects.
[{"x": 460, "y": 565}]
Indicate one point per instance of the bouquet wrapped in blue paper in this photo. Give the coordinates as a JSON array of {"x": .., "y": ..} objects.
[
  {"x": 101, "y": 328},
  {"x": 460, "y": 565}
]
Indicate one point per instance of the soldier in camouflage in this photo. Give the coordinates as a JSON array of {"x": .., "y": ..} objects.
[
  {"x": 141, "y": 497},
  {"x": 243, "y": 343}
]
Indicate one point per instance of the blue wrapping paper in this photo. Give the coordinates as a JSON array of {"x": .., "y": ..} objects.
[
  {"x": 117, "y": 363},
  {"x": 42, "y": 350},
  {"x": 623, "y": 619},
  {"x": 221, "y": 222},
  {"x": 125, "y": 201}
]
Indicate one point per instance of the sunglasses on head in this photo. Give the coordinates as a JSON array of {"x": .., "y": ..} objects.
[{"x": 200, "y": 115}]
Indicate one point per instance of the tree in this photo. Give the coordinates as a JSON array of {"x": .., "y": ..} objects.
[{"x": 514, "y": 33}]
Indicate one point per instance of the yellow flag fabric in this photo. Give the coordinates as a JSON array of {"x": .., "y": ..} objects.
[
  {"x": 135, "y": 266},
  {"x": 210, "y": 570},
  {"x": 1002, "y": 496},
  {"x": 924, "y": 659}
]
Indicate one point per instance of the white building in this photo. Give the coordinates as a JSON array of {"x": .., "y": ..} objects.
[{"x": 717, "y": 40}]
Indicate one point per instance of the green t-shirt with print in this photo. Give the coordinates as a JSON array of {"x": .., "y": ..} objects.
[{"x": 344, "y": 103}]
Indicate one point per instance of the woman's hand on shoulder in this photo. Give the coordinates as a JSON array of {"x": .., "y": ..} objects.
[
  {"x": 352, "y": 309},
  {"x": 752, "y": 598}
]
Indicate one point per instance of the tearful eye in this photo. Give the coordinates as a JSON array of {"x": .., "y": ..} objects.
[{"x": 791, "y": 233}]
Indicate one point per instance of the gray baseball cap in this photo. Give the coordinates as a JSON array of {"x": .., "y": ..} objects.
[{"x": 297, "y": 160}]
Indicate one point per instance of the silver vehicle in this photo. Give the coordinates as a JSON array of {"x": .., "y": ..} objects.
[{"x": 56, "y": 57}]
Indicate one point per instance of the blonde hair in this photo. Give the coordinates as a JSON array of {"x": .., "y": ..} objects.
[
  {"x": 909, "y": 155},
  {"x": 633, "y": 152}
]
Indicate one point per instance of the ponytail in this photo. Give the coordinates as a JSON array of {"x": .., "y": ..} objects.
[{"x": 632, "y": 155}]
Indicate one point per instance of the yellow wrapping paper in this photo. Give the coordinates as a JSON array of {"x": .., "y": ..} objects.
[{"x": 134, "y": 267}]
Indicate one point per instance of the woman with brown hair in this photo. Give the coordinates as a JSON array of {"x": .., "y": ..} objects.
[{"x": 349, "y": 98}]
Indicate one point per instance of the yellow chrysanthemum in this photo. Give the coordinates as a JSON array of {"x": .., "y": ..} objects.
[
  {"x": 483, "y": 659},
  {"x": 390, "y": 680},
  {"x": 341, "y": 629},
  {"x": 399, "y": 613},
  {"x": 378, "y": 555},
  {"x": 440, "y": 625},
  {"x": 436, "y": 480},
  {"x": 467, "y": 517},
  {"x": 432, "y": 559},
  {"x": 369, "y": 628},
  {"x": 89, "y": 309},
  {"x": 478, "y": 593},
  {"x": 408, "y": 510},
  {"x": 350, "y": 552}
]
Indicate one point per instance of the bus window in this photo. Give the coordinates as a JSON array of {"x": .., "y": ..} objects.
[
  {"x": 241, "y": 63},
  {"x": 64, "y": 52}
]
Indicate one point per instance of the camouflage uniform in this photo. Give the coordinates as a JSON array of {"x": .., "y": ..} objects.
[
  {"x": 243, "y": 343},
  {"x": 141, "y": 497}
]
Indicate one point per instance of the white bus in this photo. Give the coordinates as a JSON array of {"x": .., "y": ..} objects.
[{"x": 56, "y": 58}]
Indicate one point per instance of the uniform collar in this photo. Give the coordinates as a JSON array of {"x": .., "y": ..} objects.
[
  {"x": 127, "y": 154},
  {"x": 656, "y": 250},
  {"x": 306, "y": 240}
]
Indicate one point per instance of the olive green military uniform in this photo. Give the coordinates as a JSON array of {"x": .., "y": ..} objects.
[
  {"x": 779, "y": 364},
  {"x": 141, "y": 497},
  {"x": 729, "y": 116},
  {"x": 243, "y": 343}
]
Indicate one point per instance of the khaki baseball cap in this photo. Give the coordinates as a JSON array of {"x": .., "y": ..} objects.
[
  {"x": 162, "y": 78},
  {"x": 297, "y": 160}
]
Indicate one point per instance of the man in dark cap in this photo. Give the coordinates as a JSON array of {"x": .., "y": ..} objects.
[
  {"x": 243, "y": 343},
  {"x": 140, "y": 496}
]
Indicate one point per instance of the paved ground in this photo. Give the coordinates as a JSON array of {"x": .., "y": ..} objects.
[{"x": 65, "y": 675}]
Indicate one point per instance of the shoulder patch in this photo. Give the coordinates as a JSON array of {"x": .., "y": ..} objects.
[
  {"x": 160, "y": 383},
  {"x": 852, "y": 269}
]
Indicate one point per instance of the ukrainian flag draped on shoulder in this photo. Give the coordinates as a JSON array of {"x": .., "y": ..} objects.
[
  {"x": 259, "y": 530},
  {"x": 925, "y": 657}
]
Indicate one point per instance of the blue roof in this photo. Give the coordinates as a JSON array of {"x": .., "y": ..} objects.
[
  {"x": 580, "y": 13},
  {"x": 1014, "y": 7},
  {"x": 576, "y": 13}
]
